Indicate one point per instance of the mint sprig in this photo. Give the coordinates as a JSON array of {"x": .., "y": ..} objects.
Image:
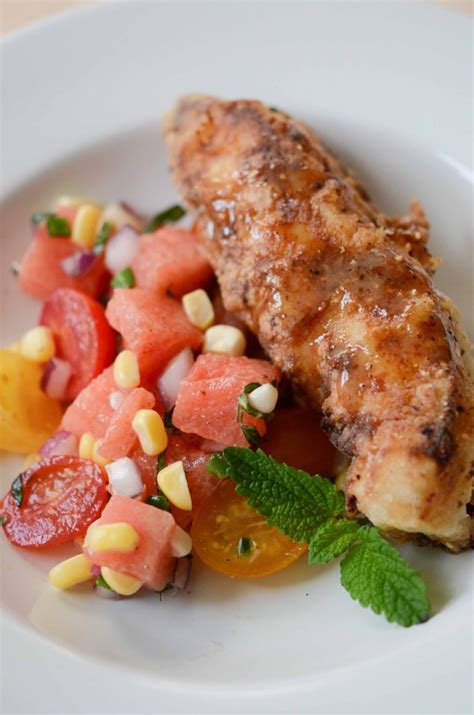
[{"x": 311, "y": 509}]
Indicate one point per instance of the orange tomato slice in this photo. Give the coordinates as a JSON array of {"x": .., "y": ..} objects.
[{"x": 233, "y": 538}]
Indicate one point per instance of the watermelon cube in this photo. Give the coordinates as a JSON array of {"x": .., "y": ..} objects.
[
  {"x": 120, "y": 436},
  {"x": 41, "y": 272},
  {"x": 152, "y": 561},
  {"x": 153, "y": 326},
  {"x": 91, "y": 411},
  {"x": 171, "y": 260},
  {"x": 207, "y": 399},
  {"x": 201, "y": 483}
]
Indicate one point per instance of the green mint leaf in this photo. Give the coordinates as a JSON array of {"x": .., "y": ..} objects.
[
  {"x": 170, "y": 215},
  {"x": 244, "y": 407},
  {"x": 17, "y": 491},
  {"x": 290, "y": 499},
  {"x": 159, "y": 501},
  {"x": 58, "y": 226},
  {"x": 252, "y": 435},
  {"x": 102, "y": 237},
  {"x": 245, "y": 546},
  {"x": 124, "y": 279},
  {"x": 375, "y": 574},
  {"x": 332, "y": 539}
]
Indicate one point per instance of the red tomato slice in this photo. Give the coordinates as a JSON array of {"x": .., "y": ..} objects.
[
  {"x": 82, "y": 334},
  {"x": 61, "y": 497}
]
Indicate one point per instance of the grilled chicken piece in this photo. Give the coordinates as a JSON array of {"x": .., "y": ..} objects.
[{"x": 341, "y": 298}]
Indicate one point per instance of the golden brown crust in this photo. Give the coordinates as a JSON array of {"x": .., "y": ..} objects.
[{"x": 341, "y": 298}]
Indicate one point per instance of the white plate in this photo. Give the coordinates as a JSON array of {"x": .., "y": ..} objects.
[{"x": 387, "y": 86}]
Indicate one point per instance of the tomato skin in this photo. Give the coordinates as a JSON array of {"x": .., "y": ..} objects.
[
  {"x": 62, "y": 496},
  {"x": 82, "y": 335},
  {"x": 219, "y": 524}
]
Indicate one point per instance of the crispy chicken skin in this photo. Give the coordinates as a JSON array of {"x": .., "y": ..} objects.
[{"x": 340, "y": 297}]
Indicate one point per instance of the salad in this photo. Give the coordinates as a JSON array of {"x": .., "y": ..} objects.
[
  {"x": 133, "y": 377},
  {"x": 156, "y": 429}
]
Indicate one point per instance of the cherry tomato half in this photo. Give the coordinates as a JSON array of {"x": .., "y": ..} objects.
[
  {"x": 231, "y": 537},
  {"x": 82, "y": 334},
  {"x": 55, "y": 501}
]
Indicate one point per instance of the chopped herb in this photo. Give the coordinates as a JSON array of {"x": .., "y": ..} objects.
[
  {"x": 58, "y": 226},
  {"x": 100, "y": 581},
  {"x": 124, "y": 279},
  {"x": 168, "y": 421},
  {"x": 3, "y": 520},
  {"x": 245, "y": 546},
  {"x": 160, "y": 462},
  {"x": 160, "y": 501},
  {"x": 251, "y": 434},
  {"x": 17, "y": 490},
  {"x": 311, "y": 509},
  {"x": 102, "y": 237},
  {"x": 171, "y": 215}
]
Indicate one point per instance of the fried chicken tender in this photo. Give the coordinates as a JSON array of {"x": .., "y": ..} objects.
[{"x": 341, "y": 298}]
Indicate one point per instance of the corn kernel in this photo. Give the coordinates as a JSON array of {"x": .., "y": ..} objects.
[
  {"x": 71, "y": 572},
  {"x": 84, "y": 229},
  {"x": 199, "y": 309},
  {"x": 264, "y": 398},
  {"x": 126, "y": 371},
  {"x": 119, "y": 217},
  {"x": 224, "y": 340},
  {"x": 151, "y": 432},
  {"x": 181, "y": 543},
  {"x": 120, "y": 582},
  {"x": 113, "y": 537},
  {"x": 173, "y": 483},
  {"x": 96, "y": 456},
  {"x": 31, "y": 459},
  {"x": 38, "y": 344},
  {"x": 86, "y": 445}
]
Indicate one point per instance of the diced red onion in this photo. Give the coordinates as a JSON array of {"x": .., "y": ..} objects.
[
  {"x": 95, "y": 570},
  {"x": 56, "y": 376},
  {"x": 181, "y": 575},
  {"x": 79, "y": 263},
  {"x": 121, "y": 249},
  {"x": 106, "y": 593},
  {"x": 124, "y": 477},
  {"x": 60, "y": 444},
  {"x": 174, "y": 373}
]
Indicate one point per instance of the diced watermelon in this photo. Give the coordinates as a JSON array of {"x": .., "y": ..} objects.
[
  {"x": 201, "y": 482},
  {"x": 171, "y": 259},
  {"x": 207, "y": 399},
  {"x": 120, "y": 437},
  {"x": 146, "y": 466},
  {"x": 41, "y": 272},
  {"x": 155, "y": 327},
  {"x": 151, "y": 562},
  {"x": 91, "y": 410}
]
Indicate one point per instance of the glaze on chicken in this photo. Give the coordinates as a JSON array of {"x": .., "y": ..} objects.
[{"x": 341, "y": 298}]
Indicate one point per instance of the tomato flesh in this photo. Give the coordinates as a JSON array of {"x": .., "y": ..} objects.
[
  {"x": 82, "y": 335},
  {"x": 62, "y": 496},
  {"x": 225, "y": 525}
]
